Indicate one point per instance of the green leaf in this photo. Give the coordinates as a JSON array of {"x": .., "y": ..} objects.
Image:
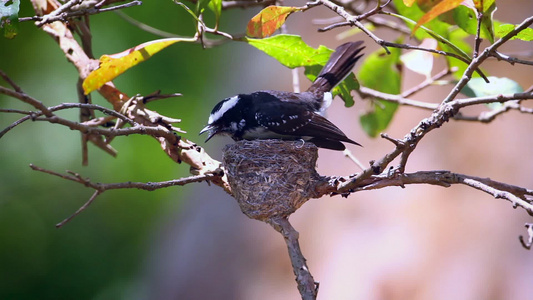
[
  {"x": 487, "y": 24},
  {"x": 483, "y": 5},
  {"x": 457, "y": 38},
  {"x": 291, "y": 51},
  {"x": 201, "y": 5},
  {"x": 524, "y": 35},
  {"x": 477, "y": 87},
  {"x": 188, "y": 10},
  {"x": 216, "y": 7},
  {"x": 345, "y": 88},
  {"x": 379, "y": 72},
  {"x": 453, "y": 44},
  {"x": 465, "y": 16},
  {"x": 436, "y": 36},
  {"x": 9, "y": 17}
]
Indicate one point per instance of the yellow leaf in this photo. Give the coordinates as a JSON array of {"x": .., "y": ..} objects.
[
  {"x": 113, "y": 65},
  {"x": 267, "y": 21},
  {"x": 483, "y": 5},
  {"x": 409, "y": 3},
  {"x": 435, "y": 11}
]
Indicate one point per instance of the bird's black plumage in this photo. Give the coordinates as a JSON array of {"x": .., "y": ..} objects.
[{"x": 287, "y": 115}]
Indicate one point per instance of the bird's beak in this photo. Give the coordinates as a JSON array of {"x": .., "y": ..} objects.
[{"x": 212, "y": 131}]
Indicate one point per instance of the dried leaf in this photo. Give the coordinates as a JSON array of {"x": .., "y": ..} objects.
[
  {"x": 435, "y": 11},
  {"x": 267, "y": 21}
]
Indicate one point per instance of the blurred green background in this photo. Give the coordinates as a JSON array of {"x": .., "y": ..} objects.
[
  {"x": 192, "y": 242},
  {"x": 99, "y": 254}
]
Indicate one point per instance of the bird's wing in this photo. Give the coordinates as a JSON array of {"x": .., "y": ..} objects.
[{"x": 297, "y": 121}]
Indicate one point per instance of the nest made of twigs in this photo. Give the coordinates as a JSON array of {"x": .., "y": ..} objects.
[{"x": 271, "y": 178}]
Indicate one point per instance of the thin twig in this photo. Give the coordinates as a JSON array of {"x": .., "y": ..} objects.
[
  {"x": 347, "y": 153},
  {"x": 102, "y": 187},
  {"x": 16, "y": 111},
  {"x": 158, "y": 96},
  {"x": 477, "y": 40},
  {"x": 11, "y": 82},
  {"x": 34, "y": 116},
  {"x": 27, "y": 99},
  {"x": 146, "y": 27},
  {"x": 378, "y": 21},
  {"x": 367, "y": 92},
  {"x": 82, "y": 208},
  {"x": 460, "y": 103},
  {"x": 60, "y": 10},
  {"x": 147, "y": 186},
  {"x": 428, "y": 82},
  {"x": 246, "y": 3},
  {"x": 509, "y": 59},
  {"x": 63, "y": 13},
  {"x": 489, "y": 116},
  {"x": 450, "y": 54},
  {"x": 352, "y": 20},
  {"x": 373, "y": 19}
]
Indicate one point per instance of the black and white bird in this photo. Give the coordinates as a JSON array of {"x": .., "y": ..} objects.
[{"x": 288, "y": 115}]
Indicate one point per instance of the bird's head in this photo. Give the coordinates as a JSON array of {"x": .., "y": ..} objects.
[{"x": 220, "y": 120}]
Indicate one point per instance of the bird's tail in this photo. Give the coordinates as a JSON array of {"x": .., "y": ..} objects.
[{"x": 339, "y": 65}]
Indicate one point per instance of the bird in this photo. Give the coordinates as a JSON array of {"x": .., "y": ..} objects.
[{"x": 270, "y": 114}]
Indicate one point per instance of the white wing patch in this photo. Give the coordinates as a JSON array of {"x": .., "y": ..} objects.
[
  {"x": 328, "y": 98},
  {"x": 227, "y": 105}
]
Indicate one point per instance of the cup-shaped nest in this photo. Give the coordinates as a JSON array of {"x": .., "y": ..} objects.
[{"x": 271, "y": 178}]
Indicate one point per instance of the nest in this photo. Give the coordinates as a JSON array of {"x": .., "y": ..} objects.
[{"x": 271, "y": 178}]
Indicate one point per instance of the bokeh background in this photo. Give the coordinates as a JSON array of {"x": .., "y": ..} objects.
[{"x": 192, "y": 242}]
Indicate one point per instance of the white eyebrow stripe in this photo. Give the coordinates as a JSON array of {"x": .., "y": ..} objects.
[{"x": 227, "y": 105}]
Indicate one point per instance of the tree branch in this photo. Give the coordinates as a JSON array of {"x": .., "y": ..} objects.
[
  {"x": 518, "y": 196},
  {"x": 476, "y": 62},
  {"x": 142, "y": 121},
  {"x": 307, "y": 286}
]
